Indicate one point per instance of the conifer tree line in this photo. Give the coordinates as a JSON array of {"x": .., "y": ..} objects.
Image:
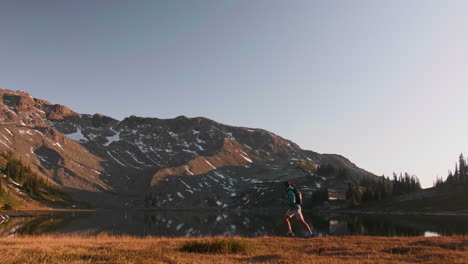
[
  {"x": 458, "y": 177},
  {"x": 151, "y": 199},
  {"x": 381, "y": 188},
  {"x": 330, "y": 170},
  {"x": 362, "y": 190},
  {"x": 320, "y": 195},
  {"x": 327, "y": 170},
  {"x": 385, "y": 188},
  {"x": 21, "y": 174}
]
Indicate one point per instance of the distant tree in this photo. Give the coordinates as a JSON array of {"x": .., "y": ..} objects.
[
  {"x": 353, "y": 194},
  {"x": 320, "y": 196},
  {"x": 326, "y": 170},
  {"x": 462, "y": 169},
  {"x": 439, "y": 182},
  {"x": 7, "y": 206},
  {"x": 343, "y": 173},
  {"x": 460, "y": 176},
  {"x": 383, "y": 188},
  {"x": 450, "y": 179},
  {"x": 456, "y": 175},
  {"x": 151, "y": 199},
  {"x": 388, "y": 188}
]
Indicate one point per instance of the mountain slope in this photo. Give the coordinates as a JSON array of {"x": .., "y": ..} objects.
[
  {"x": 21, "y": 188},
  {"x": 158, "y": 163}
]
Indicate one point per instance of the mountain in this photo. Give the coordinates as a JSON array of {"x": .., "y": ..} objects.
[{"x": 179, "y": 163}]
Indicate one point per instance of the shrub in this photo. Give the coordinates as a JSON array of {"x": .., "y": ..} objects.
[
  {"x": 7, "y": 206},
  {"x": 219, "y": 246},
  {"x": 306, "y": 165}
]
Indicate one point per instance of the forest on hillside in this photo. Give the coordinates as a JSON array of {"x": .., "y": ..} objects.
[
  {"x": 20, "y": 179},
  {"x": 366, "y": 189}
]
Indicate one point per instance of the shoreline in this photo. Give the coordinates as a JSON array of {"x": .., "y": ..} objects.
[
  {"x": 49, "y": 211},
  {"x": 39, "y": 212},
  {"x": 361, "y": 212}
]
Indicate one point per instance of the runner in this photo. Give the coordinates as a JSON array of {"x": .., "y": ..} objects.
[{"x": 294, "y": 210}]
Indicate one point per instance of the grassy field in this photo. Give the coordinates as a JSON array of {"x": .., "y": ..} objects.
[{"x": 350, "y": 250}]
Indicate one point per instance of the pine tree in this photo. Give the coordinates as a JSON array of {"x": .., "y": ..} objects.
[
  {"x": 353, "y": 194},
  {"x": 450, "y": 178},
  {"x": 466, "y": 173},
  {"x": 439, "y": 182},
  {"x": 319, "y": 196},
  {"x": 462, "y": 169},
  {"x": 395, "y": 188}
]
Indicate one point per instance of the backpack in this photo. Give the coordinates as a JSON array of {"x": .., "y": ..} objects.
[{"x": 298, "y": 196}]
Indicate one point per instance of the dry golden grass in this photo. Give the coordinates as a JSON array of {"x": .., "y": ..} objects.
[{"x": 333, "y": 250}]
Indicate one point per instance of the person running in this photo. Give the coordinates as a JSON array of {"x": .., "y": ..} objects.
[{"x": 294, "y": 210}]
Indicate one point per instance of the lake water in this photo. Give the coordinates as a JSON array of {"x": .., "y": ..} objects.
[{"x": 229, "y": 223}]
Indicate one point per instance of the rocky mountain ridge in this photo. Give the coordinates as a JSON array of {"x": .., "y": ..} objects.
[{"x": 181, "y": 163}]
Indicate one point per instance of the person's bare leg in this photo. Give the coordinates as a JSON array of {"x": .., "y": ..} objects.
[
  {"x": 286, "y": 220},
  {"x": 304, "y": 223}
]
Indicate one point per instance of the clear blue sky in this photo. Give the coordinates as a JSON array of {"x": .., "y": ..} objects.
[{"x": 384, "y": 83}]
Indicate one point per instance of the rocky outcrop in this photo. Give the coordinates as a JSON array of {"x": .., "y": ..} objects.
[{"x": 58, "y": 112}]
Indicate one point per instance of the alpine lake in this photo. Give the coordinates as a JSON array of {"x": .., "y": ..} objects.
[{"x": 252, "y": 223}]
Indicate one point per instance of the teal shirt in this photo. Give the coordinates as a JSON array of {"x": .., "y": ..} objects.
[{"x": 291, "y": 199}]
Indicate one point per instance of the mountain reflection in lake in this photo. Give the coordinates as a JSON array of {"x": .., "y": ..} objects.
[{"x": 229, "y": 223}]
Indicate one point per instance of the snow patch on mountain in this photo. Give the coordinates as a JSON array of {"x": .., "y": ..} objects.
[
  {"x": 22, "y": 132},
  {"x": 190, "y": 151},
  {"x": 188, "y": 171},
  {"x": 6, "y": 138},
  {"x": 55, "y": 143},
  {"x": 186, "y": 185},
  {"x": 247, "y": 159},
  {"x": 211, "y": 165},
  {"x": 116, "y": 159},
  {"x": 199, "y": 147},
  {"x": 219, "y": 175},
  {"x": 172, "y": 134},
  {"x": 9, "y": 132},
  {"x": 135, "y": 158},
  {"x": 113, "y": 138},
  {"x": 77, "y": 136},
  {"x": 6, "y": 145}
]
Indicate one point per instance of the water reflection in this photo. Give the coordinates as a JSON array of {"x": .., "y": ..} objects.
[
  {"x": 430, "y": 234},
  {"x": 229, "y": 223}
]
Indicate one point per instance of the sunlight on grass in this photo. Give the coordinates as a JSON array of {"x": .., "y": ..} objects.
[{"x": 100, "y": 249}]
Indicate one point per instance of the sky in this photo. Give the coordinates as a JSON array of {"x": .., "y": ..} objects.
[{"x": 383, "y": 83}]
